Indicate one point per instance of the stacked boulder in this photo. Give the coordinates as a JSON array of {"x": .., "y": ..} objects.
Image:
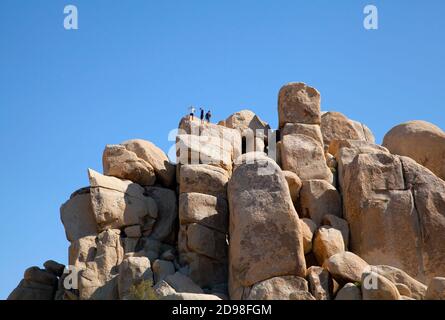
[{"x": 331, "y": 215}]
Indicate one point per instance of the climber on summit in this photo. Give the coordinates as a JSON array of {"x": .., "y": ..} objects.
[
  {"x": 208, "y": 116},
  {"x": 202, "y": 114},
  {"x": 192, "y": 112}
]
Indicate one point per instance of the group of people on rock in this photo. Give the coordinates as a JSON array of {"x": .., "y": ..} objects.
[{"x": 207, "y": 116}]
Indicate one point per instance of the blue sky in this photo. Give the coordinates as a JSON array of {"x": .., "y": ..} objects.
[{"x": 133, "y": 68}]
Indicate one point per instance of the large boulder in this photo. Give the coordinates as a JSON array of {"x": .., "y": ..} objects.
[
  {"x": 117, "y": 203},
  {"x": 78, "y": 217},
  {"x": 204, "y": 179},
  {"x": 294, "y": 183},
  {"x": 321, "y": 283},
  {"x": 245, "y": 121},
  {"x": 396, "y": 213},
  {"x": 336, "y": 126},
  {"x": 349, "y": 292},
  {"x": 265, "y": 233},
  {"x": 346, "y": 267},
  {"x": 310, "y": 130},
  {"x": 304, "y": 156},
  {"x": 376, "y": 287},
  {"x": 277, "y": 288},
  {"x": 400, "y": 278},
  {"x": 132, "y": 272},
  {"x": 421, "y": 141},
  {"x": 298, "y": 103},
  {"x": 319, "y": 198},
  {"x": 124, "y": 164},
  {"x": 210, "y": 211},
  {"x": 98, "y": 281},
  {"x": 151, "y": 154},
  {"x": 37, "y": 284},
  {"x": 327, "y": 242}
]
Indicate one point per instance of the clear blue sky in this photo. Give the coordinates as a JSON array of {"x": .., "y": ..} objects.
[{"x": 133, "y": 68}]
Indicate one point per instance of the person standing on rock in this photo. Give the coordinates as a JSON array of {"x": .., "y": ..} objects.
[
  {"x": 208, "y": 116},
  {"x": 192, "y": 112},
  {"x": 202, "y": 115}
]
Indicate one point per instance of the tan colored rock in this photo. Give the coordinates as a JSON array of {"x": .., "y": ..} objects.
[
  {"x": 336, "y": 126},
  {"x": 421, "y": 141},
  {"x": 246, "y": 120},
  {"x": 436, "y": 289},
  {"x": 277, "y": 288},
  {"x": 262, "y": 245},
  {"x": 124, "y": 164},
  {"x": 98, "y": 281},
  {"x": 339, "y": 224},
  {"x": 166, "y": 202},
  {"x": 204, "y": 179},
  {"x": 133, "y": 271},
  {"x": 31, "y": 290},
  {"x": 400, "y": 277},
  {"x": 117, "y": 203},
  {"x": 395, "y": 209},
  {"x": 163, "y": 289},
  {"x": 308, "y": 227},
  {"x": 78, "y": 217},
  {"x": 204, "y": 271},
  {"x": 207, "y": 210},
  {"x": 81, "y": 251},
  {"x": 301, "y": 295},
  {"x": 147, "y": 151},
  {"x": 377, "y": 287},
  {"x": 349, "y": 292},
  {"x": 298, "y": 103},
  {"x": 294, "y": 183},
  {"x": 310, "y": 130},
  {"x": 321, "y": 284},
  {"x": 207, "y": 242},
  {"x": 318, "y": 198},
  {"x": 346, "y": 267},
  {"x": 182, "y": 283},
  {"x": 304, "y": 156},
  {"x": 327, "y": 242},
  {"x": 404, "y": 290},
  {"x": 215, "y": 151},
  {"x": 162, "y": 269}
]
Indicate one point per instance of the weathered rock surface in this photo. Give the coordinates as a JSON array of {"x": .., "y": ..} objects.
[
  {"x": 304, "y": 156},
  {"x": 117, "y": 203},
  {"x": 133, "y": 271},
  {"x": 421, "y": 141},
  {"x": 336, "y": 126},
  {"x": 294, "y": 183},
  {"x": 204, "y": 179},
  {"x": 318, "y": 198},
  {"x": 298, "y": 103},
  {"x": 327, "y": 242},
  {"x": 78, "y": 217},
  {"x": 349, "y": 292},
  {"x": 376, "y": 287},
  {"x": 310, "y": 130},
  {"x": 119, "y": 162},
  {"x": 277, "y": 288},
  {"x": 257, "y": 236},
  {"x": 346, "y": 267},
  {"x": 339, "y": 224},
  {"x": 147, "y": 151},
  {"x": 321, "y": 283},
  {"x": 395, "y": 209},
  {"x": 308, "y": 228}
]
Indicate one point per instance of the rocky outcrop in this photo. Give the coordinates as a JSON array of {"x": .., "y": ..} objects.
[
  {"x": 264, "y": 227},
  {"x": 333, "y": 216}
]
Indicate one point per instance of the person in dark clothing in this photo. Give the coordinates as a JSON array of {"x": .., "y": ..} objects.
[
  {"x": 192, "y": 112},
  {"x": 208, "y": 116},
  {"x": 202, "y": 114}
]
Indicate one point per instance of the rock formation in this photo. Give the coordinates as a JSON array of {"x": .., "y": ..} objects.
[{"x": 314, "y": 210}]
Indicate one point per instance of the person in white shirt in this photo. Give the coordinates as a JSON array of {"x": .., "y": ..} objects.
[{"x": 192, "y": 112}]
